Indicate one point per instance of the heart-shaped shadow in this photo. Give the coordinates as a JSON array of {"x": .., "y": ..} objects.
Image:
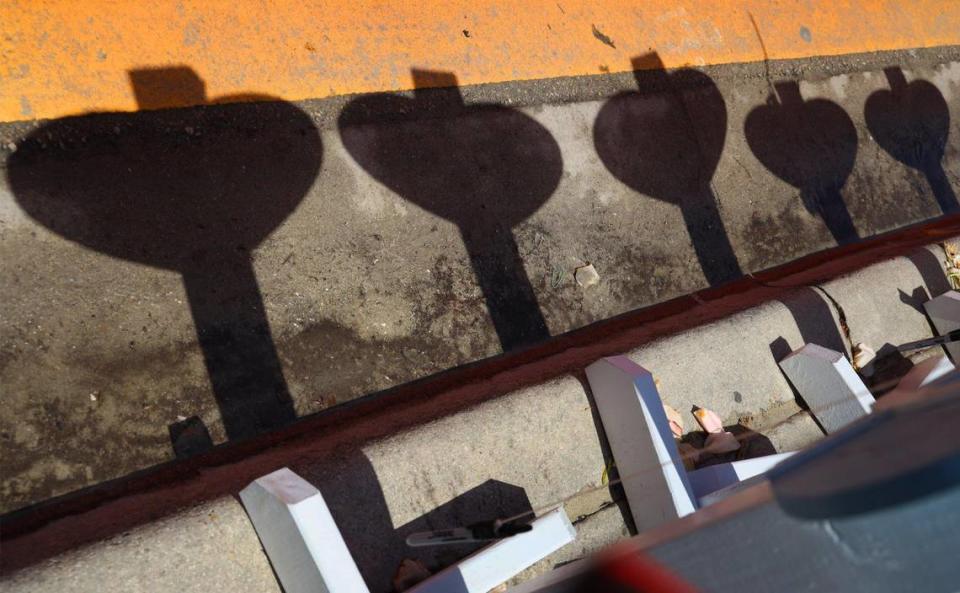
[
  {"x": 812, "y": 146},
  {"x": 192, "y": 191},
  {"x": 665, "y": 141},
  {"x": 485, "y": 168},
  {"x": 912, "y": 122}
]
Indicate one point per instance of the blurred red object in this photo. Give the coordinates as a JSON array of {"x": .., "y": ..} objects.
[{"x": 624, "y": 569}]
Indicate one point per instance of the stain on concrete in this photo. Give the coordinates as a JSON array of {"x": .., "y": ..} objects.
[{"x": 598, "y": 34}]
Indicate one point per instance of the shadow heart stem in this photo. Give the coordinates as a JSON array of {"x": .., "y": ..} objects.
[
  {"x": 828, "y": 203},
  {"x": 238, "y": 349},
  {"x": 701, "y": 215},
  {"x": 510, "y": 298},
  {"x": 940, "y": 186}
]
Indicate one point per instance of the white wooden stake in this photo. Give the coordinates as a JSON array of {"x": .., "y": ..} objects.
[
  {"x": 828, "y": 384},
  {"x": 299, "y": 535}
]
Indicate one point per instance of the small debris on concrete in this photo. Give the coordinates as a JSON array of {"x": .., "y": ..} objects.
[
  {"x": 556, "y": 279},
  {"x": 188, "y": 130},
  {"x": 953, "y": 264},
  {"x": 675, "y": 420},
  {"x": 93, "y": 396},
  {"x": 587, "y": 275},
  {"x": 416, "y": 357},
  {"x": 409, "y": 573},
  {"x": 718, "y": 440},
  {"x": 11, "y": 147},
  {"x": 708, "y": 420},
  {"x": 863, "y": 355},
  {"x": 605, "y": 474}
]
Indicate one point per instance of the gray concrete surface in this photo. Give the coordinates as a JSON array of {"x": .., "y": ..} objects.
[
  {"x": 209, "y": 548},
  {"x": 527, "y": 449},
  {"x": 364, "y": 290},
  {"x": 885, "y": 306}
]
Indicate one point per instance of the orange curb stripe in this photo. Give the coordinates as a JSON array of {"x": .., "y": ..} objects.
[{"x": 60, "y": 57}]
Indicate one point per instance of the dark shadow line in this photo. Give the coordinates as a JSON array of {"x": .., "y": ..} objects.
[
  {"x": 617, "y": 494},
  {"x": 941, "y": 187},
  {"x": 239, "y": 352},
  {"x": 718, "y": 261},
  {"x": 828, "y": 203},
  {"x": 506, "y": 288}
]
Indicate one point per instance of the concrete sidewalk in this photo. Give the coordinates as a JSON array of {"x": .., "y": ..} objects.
[
  {"x": 114, "y": 317},
  {"x": 523, "y": 450}
]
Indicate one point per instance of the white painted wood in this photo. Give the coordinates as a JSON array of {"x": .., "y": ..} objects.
[
  {"x": 710, "y": 479},
  {"x": 504, "y": 559},
  {"x": 654, "y": 479},
  {"x": 300, "y": 536},
  {"x": 828, "y": 384},
  {"x": 944, "y": 313}
]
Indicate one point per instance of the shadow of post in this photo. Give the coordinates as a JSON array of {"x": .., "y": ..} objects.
[
  {"x": 196, "y": 199},
  {"x": 912, "y": 122},
  {"x": 354, "y": 493},
  {"x": 812, "y": 146},
  {"x": 485, "y": 168},
  {"x": 665, "y": 140}
]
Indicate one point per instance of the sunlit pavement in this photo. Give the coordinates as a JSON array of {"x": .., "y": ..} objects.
[{"x": 180, "y": 278}]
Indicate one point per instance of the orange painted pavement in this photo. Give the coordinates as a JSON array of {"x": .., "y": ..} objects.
[{"x": 60, "y": 57}]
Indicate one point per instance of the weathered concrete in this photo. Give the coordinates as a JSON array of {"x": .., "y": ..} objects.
[
  {"x": 364, "y": 289},
  {"x": 210, "y": 548},
  {"x": 885, "y": 306},
  {"x": 734, "y": 371},
  {"x": 525, "y": 450}
]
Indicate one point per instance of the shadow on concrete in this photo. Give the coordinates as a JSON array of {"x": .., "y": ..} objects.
[
  {"x": 884, "y": 372},
  {"x": 485, "y": 168},
  {"x": 752, "y": 444},
  {"x": 194, "y": 191},
  {"x": 812, "y": 146},
  {"x": 931, "y": 271},
  {"x": 354, "y": 494},
  {"x": 815, "y": 321},
  {"x": 615, "y": 487},
  {"x": 814, "y": 318},
  {"x": 664, "y": 140},
  {"x": 915, "y": 299},
  {"x": 911, "y": 121}
]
